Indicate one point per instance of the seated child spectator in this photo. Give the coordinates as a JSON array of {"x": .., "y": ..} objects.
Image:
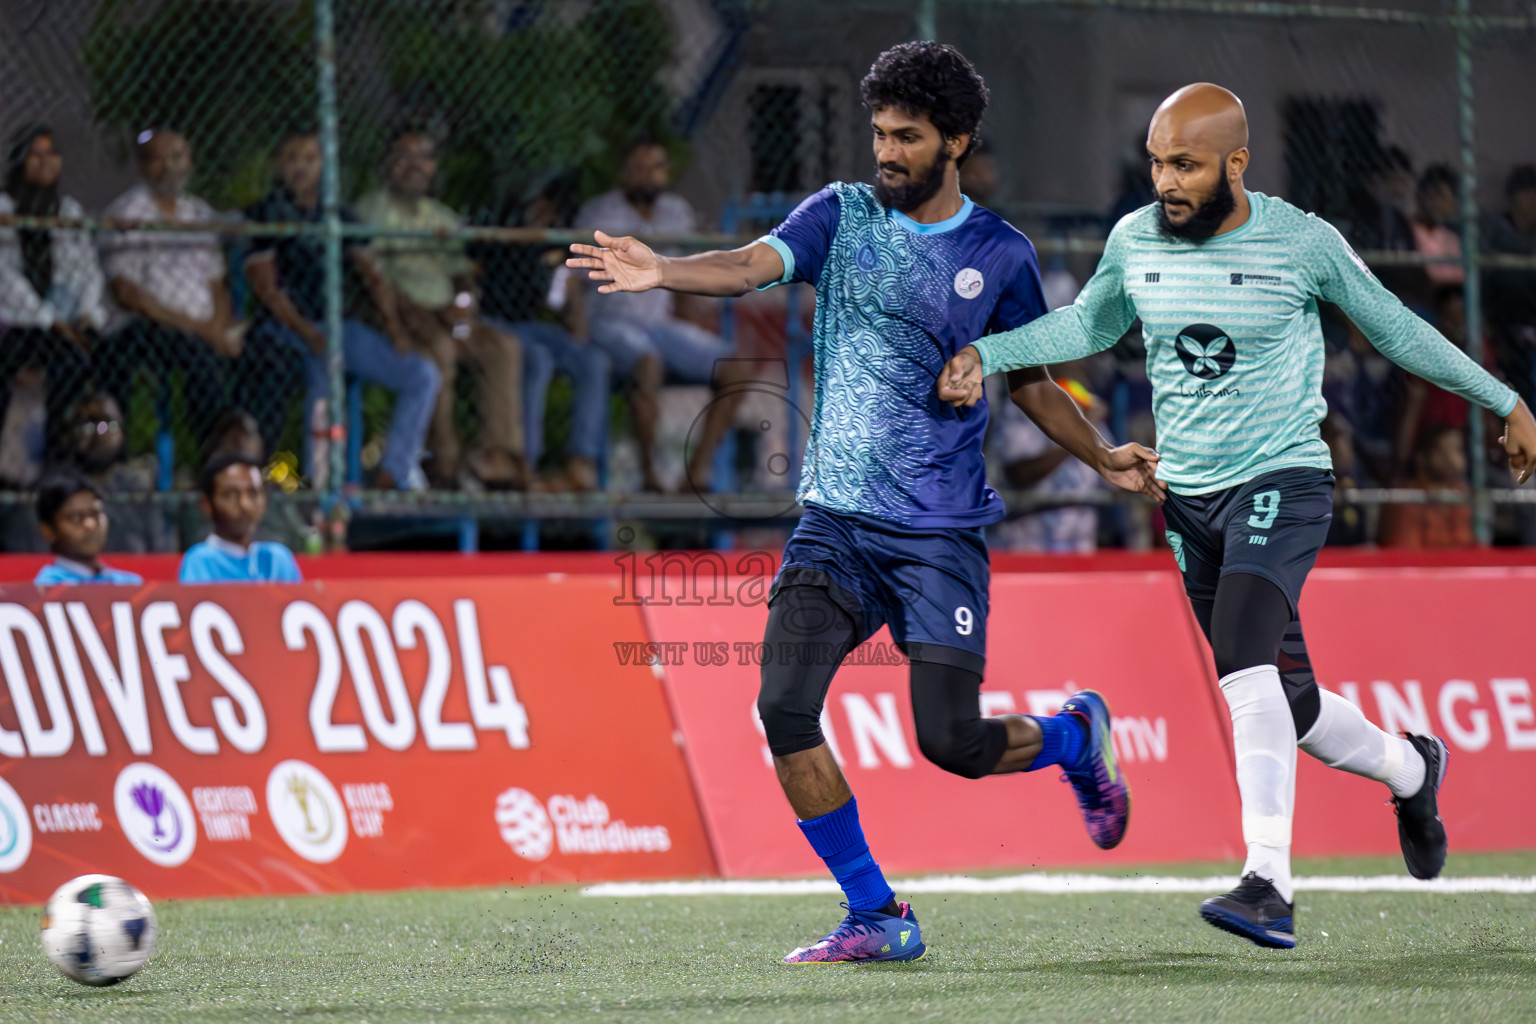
[
  {"x": 235, "y": 500},
  {"x": 73, "y": 520}
]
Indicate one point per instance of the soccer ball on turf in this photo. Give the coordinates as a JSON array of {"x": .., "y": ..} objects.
[{"x": 98, "y": 929}]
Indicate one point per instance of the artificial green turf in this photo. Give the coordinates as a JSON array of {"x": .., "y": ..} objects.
[{"x": 538, "y": 953}]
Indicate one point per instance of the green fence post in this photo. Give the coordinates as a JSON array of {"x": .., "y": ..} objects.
[
  {"x": 1482, "y": 524},
  {"x": 330, "y": 189},
  {"x": 927, "y": 19}
]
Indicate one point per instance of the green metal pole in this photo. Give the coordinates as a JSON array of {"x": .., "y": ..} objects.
[
  {"x": 330, "y": 188},
  {"x": 927, "y": 19},
  {"x": 1482, "y": 519}
]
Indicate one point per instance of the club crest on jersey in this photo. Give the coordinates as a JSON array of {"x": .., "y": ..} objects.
[
  {"x": 865, "y": 258},
  {"x": 1206, "y": 351},
  {"x": 968, "y": 283}
]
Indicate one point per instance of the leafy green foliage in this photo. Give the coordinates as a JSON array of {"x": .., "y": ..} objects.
[
  {"x": 514, "y": 96},
  {"x": 231, "y": 74}
]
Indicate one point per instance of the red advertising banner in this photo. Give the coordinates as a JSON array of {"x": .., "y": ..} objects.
[
  {"x": 1128, "y": 635},
  {"x": 1443, "y": 651},
  {"x": 334, "y": 736},
  {"x": 377, "y": 733}
]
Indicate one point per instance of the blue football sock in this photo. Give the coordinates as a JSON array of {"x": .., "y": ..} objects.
[
  {"x": 837, "y": 839},
  {"x": 1063, "y": 739}
]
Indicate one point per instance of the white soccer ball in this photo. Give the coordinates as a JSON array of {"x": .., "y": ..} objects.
[{"x": 98, "y": 929}]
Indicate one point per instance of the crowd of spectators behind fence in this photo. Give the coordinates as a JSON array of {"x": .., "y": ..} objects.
[{"x": 225, "y": 336}]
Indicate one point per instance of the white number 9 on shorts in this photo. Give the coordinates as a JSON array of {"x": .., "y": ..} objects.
[{"x": 965, "y": 621}]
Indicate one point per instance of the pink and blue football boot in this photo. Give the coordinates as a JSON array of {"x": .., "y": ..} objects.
[
  {"x": 1103, "y": 796},
  {"x": 866, "y": 936}
]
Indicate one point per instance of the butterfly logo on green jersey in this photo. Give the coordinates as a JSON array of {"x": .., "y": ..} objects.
[{"x": 1206, "y": 351}]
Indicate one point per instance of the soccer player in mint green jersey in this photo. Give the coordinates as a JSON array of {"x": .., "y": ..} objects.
[
  {"x": 907, "y": 272},
  {"x": 1226, "y": 283}
]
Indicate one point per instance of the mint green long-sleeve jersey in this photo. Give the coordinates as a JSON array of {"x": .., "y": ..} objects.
[{"x": 1234, "y": 341}]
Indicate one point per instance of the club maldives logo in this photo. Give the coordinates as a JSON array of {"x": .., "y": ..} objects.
[
  {"x": 571, "y": 825},
  {"x": 155, "y": 814},
  {"x": 524, "y": 824},
  {"x": 15, "y": 829},
  {"x": 307, "y": 811}
]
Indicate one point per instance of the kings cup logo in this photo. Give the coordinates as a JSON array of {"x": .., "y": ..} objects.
[
  {"x": 155, "y": 814},
  {"x": 968, "y": 283},
  {"x": 307, "y": 811}
]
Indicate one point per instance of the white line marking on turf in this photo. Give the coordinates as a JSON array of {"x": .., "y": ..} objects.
[{"x": 1048, "y": 884}]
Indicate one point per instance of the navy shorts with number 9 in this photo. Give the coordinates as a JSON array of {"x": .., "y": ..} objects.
[
  {"x": 1272, "y": 526},
  {"x": 929, "y": 586}
]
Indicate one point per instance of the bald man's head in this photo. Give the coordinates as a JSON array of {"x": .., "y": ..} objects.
[
  {"x": 1202, "y": 115},
  {"x": 1198, "y": 145}
]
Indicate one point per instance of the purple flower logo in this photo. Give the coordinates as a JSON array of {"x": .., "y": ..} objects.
[
  {"x": 155, "y": 814},
  {"x": 151, "y": 801}
]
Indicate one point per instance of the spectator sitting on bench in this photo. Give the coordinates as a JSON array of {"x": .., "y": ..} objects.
[
  {"x": 174, "y": 306},
  {"x": 51, "y": 299},
  {"x": 530, "y": 293},
  {"x": 650, "y": 336},
  {"x": 438, "y": 299},
  {"x": 235, "y": 500},
  {"x": 288, "y": 276},
  {"x": 73, "y": 520}
]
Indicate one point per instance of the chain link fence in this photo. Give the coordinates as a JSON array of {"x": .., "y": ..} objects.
[{"x": 330, "y": 232}]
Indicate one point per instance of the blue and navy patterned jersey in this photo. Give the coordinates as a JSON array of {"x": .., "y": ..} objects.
[{"x": 895, "y": 300}]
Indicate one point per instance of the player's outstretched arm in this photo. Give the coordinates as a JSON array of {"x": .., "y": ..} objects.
[
  {"x": 629, "y": 265},
  {"x": 1099, "y": 318},
  {"x": 1057, "y": 337},
  {"x": 1131, "y": 467},
  {"x": 1413, "y": 344}
]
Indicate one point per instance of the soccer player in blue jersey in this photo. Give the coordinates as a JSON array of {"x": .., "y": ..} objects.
[
  {"x": 235, "y": 498},
  {"x": 907, "y": 271},
  {"x": 1226, "y": 283},
  {"x": 73, "y": 520}
]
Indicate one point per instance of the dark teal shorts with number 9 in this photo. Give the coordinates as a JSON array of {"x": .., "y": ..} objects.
[{"x": 1272, "y": 526}]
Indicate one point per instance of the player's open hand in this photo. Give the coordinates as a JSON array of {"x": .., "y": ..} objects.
[
  {"x": 1133, "y": 467},
  {"x": 960, "y": 382},
  {"x": 1519, "y": 441},
  {"x": 622, "y": 264}
]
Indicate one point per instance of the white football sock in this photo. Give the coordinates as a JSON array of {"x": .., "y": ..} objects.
[
  {"x": 1343, "y": 738},
  {"x": 1264, "y": 740}
]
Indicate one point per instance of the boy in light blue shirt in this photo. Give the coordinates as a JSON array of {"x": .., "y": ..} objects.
[
  {"x": 73, "y": 520},
  {"x": 235, "y": 499}
]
